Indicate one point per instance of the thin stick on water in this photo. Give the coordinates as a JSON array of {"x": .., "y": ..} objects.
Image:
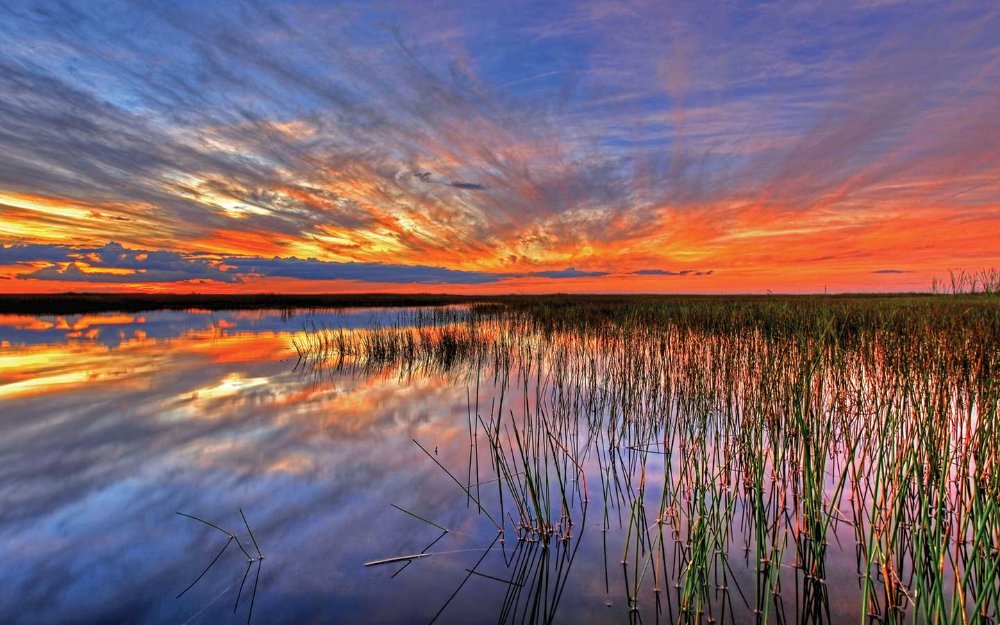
[
  {"x": 240, "y": 592},
  {"x": 396, "y": 559},
  {"x": 250, "y": 561},
  {"x": 466, "y": 490},
  {"x": 216, "y": 559},
  {"x": 250, "y": 531},
  {"x": 498, "y": 579},
  {"x": 418, "y": 517},
  {"x": 200, "y": 520},
  {"x": 253, "y": 597},
  {"x": 424, "y": 550},
  {"x": 471, "y": 572}
]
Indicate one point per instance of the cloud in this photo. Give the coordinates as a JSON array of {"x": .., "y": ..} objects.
[
  {"x": 567, "y": 273},
  {"x": 185, "y": 271},
  {"x": 666, "y": 272},
  {"x": 115, "y": 264},
  {"x": 662, "y": 272},
  {"x": 21, "y": 254},
  {"x": 891, "y": 271},
  {"x": 309, "y": 131},
  {"x": 312, "y": 269}
]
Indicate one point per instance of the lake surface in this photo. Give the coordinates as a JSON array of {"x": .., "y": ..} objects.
[{"x": 112, "y": 424}]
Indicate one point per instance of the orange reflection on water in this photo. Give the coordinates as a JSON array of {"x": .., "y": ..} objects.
[
  {"x": 41, "y": 369},
  {"x": 234, "y": 348},
  {"x": 65, "y": 367},
  {"x": 25, "y": 322},
  {"x": 257, "y": 412},
  {"x": 89, "y": 321}
]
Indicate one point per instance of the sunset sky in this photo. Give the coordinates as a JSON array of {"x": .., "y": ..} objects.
[{"x": 495, "y": 147}]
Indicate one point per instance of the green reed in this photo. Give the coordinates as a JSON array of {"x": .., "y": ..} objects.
[{"x": 733, "y": 444}]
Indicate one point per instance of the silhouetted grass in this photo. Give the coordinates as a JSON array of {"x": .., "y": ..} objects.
[{"x": 75, "y": 303}]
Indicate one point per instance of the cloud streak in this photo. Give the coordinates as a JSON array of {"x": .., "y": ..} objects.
[
  {"x": 609, "y": 137},
  {"x": 115, "y": 264}
]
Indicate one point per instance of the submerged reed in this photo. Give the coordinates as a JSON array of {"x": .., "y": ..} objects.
[{"x": 733, "y": 445}]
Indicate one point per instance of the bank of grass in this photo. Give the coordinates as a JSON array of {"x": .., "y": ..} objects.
[
  {"x": 765, "y": 435},
  {"x": 584, "y": 308},
  {"x": 77, "y": 303}
]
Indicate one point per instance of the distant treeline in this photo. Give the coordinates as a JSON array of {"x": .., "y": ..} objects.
[
  {"x": 559, "y": 304},
  {"x": 72, "y": 303}
]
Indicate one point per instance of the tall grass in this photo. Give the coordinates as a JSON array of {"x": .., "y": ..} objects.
[{"x": 738, "y": 449}]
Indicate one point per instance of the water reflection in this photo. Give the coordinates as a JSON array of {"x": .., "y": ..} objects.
[
  {"x": 114, "y": 329},
  {"x": 102, "y": 441},
  {"x": 485, "y": 471}
]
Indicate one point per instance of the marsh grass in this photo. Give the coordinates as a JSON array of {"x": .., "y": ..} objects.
[{"x": 737, "y": 449}]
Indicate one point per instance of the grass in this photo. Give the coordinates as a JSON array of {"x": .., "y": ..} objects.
[
  {"x": 738, "y": 448},
  {"x": 553, "y": 304}
]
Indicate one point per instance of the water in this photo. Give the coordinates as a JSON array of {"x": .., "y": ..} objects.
[{"x": 111, "y": 424}]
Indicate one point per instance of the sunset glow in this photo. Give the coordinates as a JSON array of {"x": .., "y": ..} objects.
[{"x": 597, "y": 146}]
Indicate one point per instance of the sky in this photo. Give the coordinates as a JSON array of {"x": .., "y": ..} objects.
[{"x": 497, "y": 147}]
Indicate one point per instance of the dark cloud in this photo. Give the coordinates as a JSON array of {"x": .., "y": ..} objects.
[
  {"x": 103, "y": 265},
  {"x": 144, "y": 266},
  {"x": 571, "y": 272},
  {"x": 667, "y": 272},
  {"x": 892, "y": 271},
  {"x": 473, "y": 186},
  {"x": 186, "y": 270},
  {"x": 662, "y": 272},
  {"x": 312, "y": 269},
  {"x": 18, "y": 254}
]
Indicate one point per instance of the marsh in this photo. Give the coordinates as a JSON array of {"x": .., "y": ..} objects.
[{"x": 617, "y": 460}]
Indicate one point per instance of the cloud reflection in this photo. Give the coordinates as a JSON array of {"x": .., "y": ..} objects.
[{"x": 108, "y": 444}]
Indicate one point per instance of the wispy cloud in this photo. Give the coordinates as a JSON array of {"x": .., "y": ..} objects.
[
  {"x": 113, "y": 263},
  {"x": 116, "y": 264},
  {"x": 504, "y": 143}
]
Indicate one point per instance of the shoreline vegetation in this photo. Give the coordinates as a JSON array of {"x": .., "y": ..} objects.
[
  {"x": 830, "y": 459},
  {"x": 79, "y": 303},
  {"x": 73, "y": 303}
]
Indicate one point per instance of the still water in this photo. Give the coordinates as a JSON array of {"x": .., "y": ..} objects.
[
  {"x": 190, "y": 467},
  {"x": 111, "y": 424}
]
